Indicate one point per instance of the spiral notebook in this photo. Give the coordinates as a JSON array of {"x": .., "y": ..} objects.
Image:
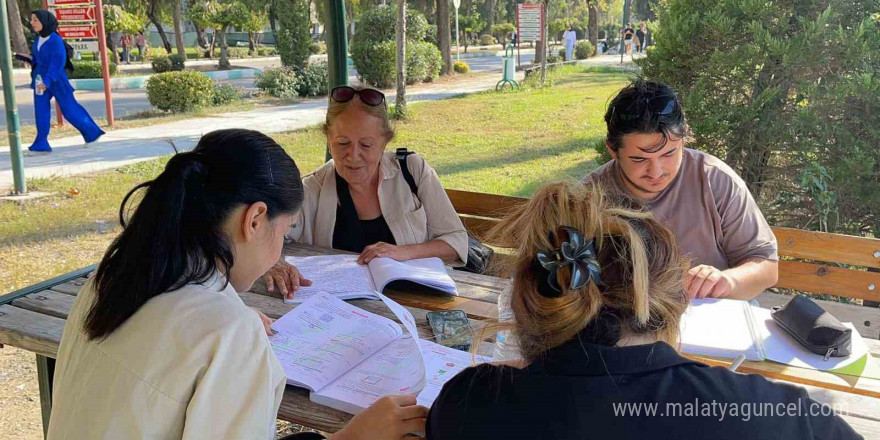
[{"x": 727, "y": 328}]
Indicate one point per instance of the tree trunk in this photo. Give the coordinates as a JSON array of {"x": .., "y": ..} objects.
[
  {"x": 444, "y": 36},
  {"x": 111, "y": 44},
  {"x": 594, "y": 23},
  {"x": 178, "y": 29},
  {"x": 542, "y": 47},
  {"x": 213, "y": 44},
  {"x": 252, "y": 40},
  {"x": 153, "y": 15},
  {"x": 200, "y": 37},
  {"x": 400, "y": 101},
  {"x": 490, "y": 18},
  {"x": 19, "y": 42},
  {"x": 224, "y": 56}
]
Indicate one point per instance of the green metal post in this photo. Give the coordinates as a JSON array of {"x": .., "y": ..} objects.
[
  {"x": 13, "y": 125},
  {"x": 337, "y": 46}
]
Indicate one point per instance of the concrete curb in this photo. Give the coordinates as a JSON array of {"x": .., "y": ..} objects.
[{"x": 137, "y": 82}]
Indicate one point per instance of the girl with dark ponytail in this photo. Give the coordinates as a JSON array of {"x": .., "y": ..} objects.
[{"x": 158, "y": 344}]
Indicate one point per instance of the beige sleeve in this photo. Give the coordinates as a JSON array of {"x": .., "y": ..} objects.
[
  {"x": 443, "y": 221},
  {"x": 234, "y": 399},
  {"x": 304, "y": 229},
  {"x": 746, "y": 233}
]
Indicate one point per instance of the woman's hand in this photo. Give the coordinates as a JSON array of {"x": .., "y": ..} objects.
[
  {"x": 286, "y": 277},
  {"x": 391, "y": 417},
  {"x": 382, "y": 249},
  {"x": 267, "y": 321},
  {"x": 41, "y": 88}
]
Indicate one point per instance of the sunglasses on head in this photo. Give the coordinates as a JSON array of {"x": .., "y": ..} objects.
[
  {"x": 657, "y": 106},
  {"x": 371, "y": 97}
]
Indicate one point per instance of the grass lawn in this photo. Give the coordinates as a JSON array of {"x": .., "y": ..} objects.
[{"x": 506, "y": 143}]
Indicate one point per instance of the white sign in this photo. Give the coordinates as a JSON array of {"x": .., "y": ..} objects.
[
  {"x": 456, "y": 3},
  {"x": 84, "y": 46},
  {"x": 529, "y": 21}
]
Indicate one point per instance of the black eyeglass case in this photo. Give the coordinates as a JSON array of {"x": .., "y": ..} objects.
[{"x": 814, "y": 328}]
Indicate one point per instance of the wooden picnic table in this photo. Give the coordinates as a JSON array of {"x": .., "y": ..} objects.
[{"x": 34, "y": 320}]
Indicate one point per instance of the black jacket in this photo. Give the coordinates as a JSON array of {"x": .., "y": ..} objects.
[{"x": 581, "y": 391}]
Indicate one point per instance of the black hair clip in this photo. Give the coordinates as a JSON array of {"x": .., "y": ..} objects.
[{"x": 578, "y": 252}]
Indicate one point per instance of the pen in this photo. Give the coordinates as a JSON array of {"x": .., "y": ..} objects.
[{"x": 737, "y": 362}]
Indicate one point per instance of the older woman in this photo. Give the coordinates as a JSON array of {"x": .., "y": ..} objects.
[{"x": 360, "y": 201}]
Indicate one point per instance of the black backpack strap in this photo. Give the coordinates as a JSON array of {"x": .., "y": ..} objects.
[{"x": 401, "y": 154}]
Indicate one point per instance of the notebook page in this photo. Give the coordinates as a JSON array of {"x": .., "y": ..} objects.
[
  {"x": 441, "y": 364},
  {"x": 336, "y": 275},
  {"x": 429, "y": 272},
  {"x": 782, "y": 348},
  {"x": 396, "y": 369},
  {"x": 324, "y": 337},
  {"x": 719, "y": 327}
]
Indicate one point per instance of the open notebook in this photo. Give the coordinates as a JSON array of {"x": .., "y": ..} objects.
[
  {"x": 348, "y": 357},
  {"x": 728, "y": 328},
  {"x": 341, "y": 275}
]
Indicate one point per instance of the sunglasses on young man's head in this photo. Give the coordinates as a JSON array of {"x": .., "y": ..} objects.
[{"x": 371, "y": 97}]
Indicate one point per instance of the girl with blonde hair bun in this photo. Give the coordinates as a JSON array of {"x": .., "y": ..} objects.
[{"x": 597, "y": 297}]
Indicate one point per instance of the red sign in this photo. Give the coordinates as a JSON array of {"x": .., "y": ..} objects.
[
  {"x": 71, "y": 2},
  {"x": 77, "y": 31},
  {"x": 75, "y": 14}
]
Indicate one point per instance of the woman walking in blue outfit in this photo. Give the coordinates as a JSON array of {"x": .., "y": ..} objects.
[{"x": 50, "y": 80}]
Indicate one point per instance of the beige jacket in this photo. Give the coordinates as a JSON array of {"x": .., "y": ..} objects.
[
  {"x": 412, "y": 219},
  {"x": 193, "y": 364}
]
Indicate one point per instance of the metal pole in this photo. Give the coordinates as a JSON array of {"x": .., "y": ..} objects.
[
  {"x": 12, "y": 123},
  {"x": 105, "y": 65},
  {"x": 337, "y": 46},
  {"x": 625, "y": 20},
  {"x": 457, "y": 46}
]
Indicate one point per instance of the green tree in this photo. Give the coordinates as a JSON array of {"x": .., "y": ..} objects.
[
  {"x": 255, "y": 22},
  {"x": 470, "y": 24},
  {"x": 294, "y": 37},
  {"x": 777, "y": 88},
  {"x": 502, "y": 30},
  {"x": 117, "y": 19}
]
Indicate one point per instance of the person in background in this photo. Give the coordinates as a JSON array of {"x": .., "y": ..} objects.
[
  {"x": 640, "y": 36},
  {"x": 141, "y": 42},
  {"x": 628, "y": 34},
  {"x": 569, "y": 38},
  {"x": 715, "y": 219},
  {"x": 49, "y": 60},
  {"x": 158, "y": 344},
  {"x": 598, "y": 296},
  {"x": 125, "y": 42},
  {"x": 364, "y": 201}
]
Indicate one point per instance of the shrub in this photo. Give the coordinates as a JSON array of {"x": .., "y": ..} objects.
[
  {"x": 434, "y": 61},
  {"x": 378, "y": 24},
  {"x": 266, "y": 51},
  {"x": 177, "y": 62},
  {"x": 280, "y": 82},
  {"x": 487, "y": 40},
  {"x": 793, "y": 89},
  {"x": 583, "y": 50},
  {"x": 180, "y": 91},
  {"x": 225, "y": 93},
  {"x": 294, "y": 37},
  {"x": 375, "y": 62},
  {"x": 502, "y": 30},
  {"x": 313, "y": 80},
  {"x": 89, "y": 69},
  {"x": 431, "y": 34},
  {"x": 318, "y": 47},
  {"x": 161, "y": 64},
  {"x": 562, "y": 53},
  {"x": 461, "y": 67},
  {"x": 552, "y": 59},
  {"x": 237, "y": 52}
]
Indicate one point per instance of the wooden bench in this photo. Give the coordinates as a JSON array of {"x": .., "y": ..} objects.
[{"x": 813, "y": 262}]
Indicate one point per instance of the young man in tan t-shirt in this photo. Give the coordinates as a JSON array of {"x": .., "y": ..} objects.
[{"x": 707, "y": 205}]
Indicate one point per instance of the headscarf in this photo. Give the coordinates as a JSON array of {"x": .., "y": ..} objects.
[{"x": 47, "y": 19}]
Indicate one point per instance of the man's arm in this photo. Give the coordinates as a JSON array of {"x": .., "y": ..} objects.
[{"x": 745, "y": 281}]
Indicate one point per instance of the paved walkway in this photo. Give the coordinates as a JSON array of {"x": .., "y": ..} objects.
[{"x": 122, "y": 147}]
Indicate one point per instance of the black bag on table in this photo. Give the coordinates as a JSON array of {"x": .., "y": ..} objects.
[{"x": 814, "y": 328}]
